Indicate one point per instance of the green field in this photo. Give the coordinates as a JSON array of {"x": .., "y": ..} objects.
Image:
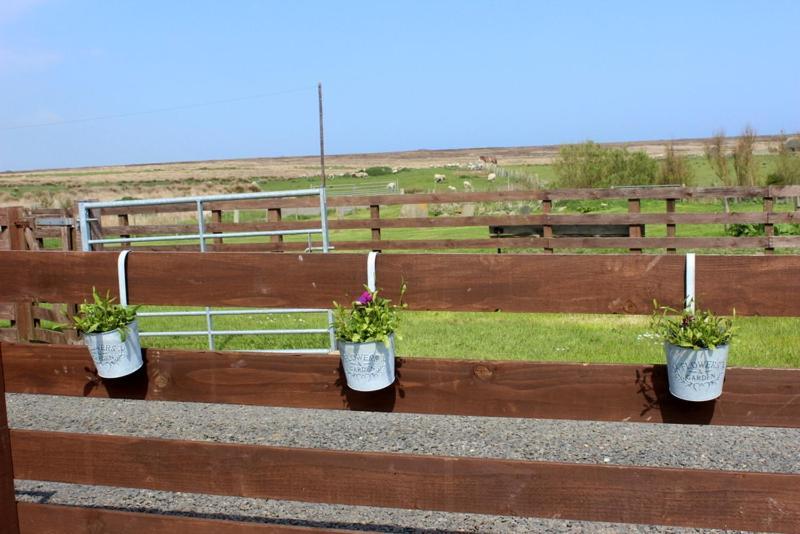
[{"x": 760, "y": 342}]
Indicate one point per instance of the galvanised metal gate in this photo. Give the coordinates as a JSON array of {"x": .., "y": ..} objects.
[{"x": 88, "y": 242}]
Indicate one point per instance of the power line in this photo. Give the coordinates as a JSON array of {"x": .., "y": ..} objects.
[{"x": 158, "y": 110}]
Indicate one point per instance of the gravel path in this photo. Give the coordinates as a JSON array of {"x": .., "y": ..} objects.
[{"x": 744, "y": 448}]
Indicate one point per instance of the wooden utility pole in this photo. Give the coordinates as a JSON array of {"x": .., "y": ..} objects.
[{"x": 321, "y": 136}]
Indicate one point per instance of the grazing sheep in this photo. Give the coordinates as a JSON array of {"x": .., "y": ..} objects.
[
  {"x": 439, "y": 178},
  {"x": 395, "y": 170},
  {"x": 467, "y": 185},
  {"x": 451, "y": 188},
  {"x": 491, "y": 177},
  {"x": 391, "y": 186},
  {"x": 360, "y": 174}
]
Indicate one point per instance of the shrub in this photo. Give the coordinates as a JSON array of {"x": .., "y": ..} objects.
[
  {"x": 591, "y": 165},
  {"x": 745, "y": 230},
  {"x": 378, "y": 171},
  {"x": 743, "y": 162},
  {"x": 714, "y": 150},
  {"x": 675, "y": 168},
  {"x": 787, "y": 165}
]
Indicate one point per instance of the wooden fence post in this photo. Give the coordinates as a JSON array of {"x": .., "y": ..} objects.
[
  {"x": 9, "y": 521},
  {"x": 375, "y": 214},
  {"x": 769, "y": 228},
  {"x": 671, "y": 227},
  {"x": 216, "y": 218},
  {"x": 23, "y": 311},
  {"x": 547, "y": 230},
  {"x": 634, "y": 230},
  {"x": 274, "y": 215},
  {"x": 123, "y": 220}
]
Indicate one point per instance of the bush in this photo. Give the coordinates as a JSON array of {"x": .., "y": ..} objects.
[
  {"x": 745, "y": 230},
  {"x": 787, "y": 166},
  {"x": 743, "y": 163},
  {"x": 591, "y": 165},
  {"x": 755, "y": 230},
  {"x": 714, "y": 150},
  {"x": 675, "y": 169},
  {"x": 378, "y": 171}
]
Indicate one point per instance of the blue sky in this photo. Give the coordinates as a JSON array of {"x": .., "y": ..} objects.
[{"x": 396, "y": 75}]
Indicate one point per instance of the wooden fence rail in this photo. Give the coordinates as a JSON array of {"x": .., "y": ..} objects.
[
  {"x": 764, "y": 285},
  {"x": 753, "y": 285}
]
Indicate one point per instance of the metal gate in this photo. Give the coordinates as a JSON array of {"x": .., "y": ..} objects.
[{"x": 87, "y": 215}]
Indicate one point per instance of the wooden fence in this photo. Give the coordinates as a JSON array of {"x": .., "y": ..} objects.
[
  {"x": 549, "y": 220},
  {"x": 19, "y": 231},
  {"x": 764, "y": 285}
]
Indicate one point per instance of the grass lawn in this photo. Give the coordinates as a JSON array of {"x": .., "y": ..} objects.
[{"x": 760, "y": 341}]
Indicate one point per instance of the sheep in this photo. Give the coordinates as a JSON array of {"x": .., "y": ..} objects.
[
  {"x": 491, "y": 177},
  {"x": 467, "y": 185},
  {"x": 439, "y": 178},
  {"x": 451, "y": 188},
  {"x": 360, "y": 174},
  {"x": 391, "y": 186}
]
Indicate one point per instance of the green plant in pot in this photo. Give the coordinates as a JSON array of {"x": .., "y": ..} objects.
[
  {"x": 365, "y": 336},
  {"x": 696, "y": 345},
  {"x": 111, "y": 333}
]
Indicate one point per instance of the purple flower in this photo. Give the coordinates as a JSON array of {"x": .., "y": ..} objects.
[{"x": 365, "y": 298}]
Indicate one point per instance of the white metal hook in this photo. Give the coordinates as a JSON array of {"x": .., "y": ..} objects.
[
  {"x": 122, "y": 277},
  {"x": 689, "y": 300},
  {"x": 371, "y": 270}
]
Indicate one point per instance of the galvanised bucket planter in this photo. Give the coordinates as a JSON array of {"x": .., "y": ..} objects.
[
  {"x": 113, "y": 357},
  {"x": 368, "y": 366},
  {"x": 696, "y": 375}
]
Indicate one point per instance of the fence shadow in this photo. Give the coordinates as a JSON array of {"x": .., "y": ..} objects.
[
  {"x": 133, "y": 386},
  {"x": 382, "y": 400},
  {"x": 653, "y": 386}
]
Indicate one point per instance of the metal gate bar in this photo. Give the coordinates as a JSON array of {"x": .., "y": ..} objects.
[{"x": 87, "y": 241}]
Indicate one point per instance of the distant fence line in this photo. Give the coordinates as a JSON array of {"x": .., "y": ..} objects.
[{"x": 539, "y": 227}]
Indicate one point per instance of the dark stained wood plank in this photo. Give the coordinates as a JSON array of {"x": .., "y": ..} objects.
[
  {"x": 8, "y": 334},
  {"x": 449, "y": 282},
  {"x": 689, "y": 243},
  {"x": 8, "y": 502},
  {"x": 630, "y": 393},
  {"x": 7, "y": 311},
  {"x": 457, "y": 282},
  {"x": 48, "y": 336},
  {"x": 634, "y": 230},
  {"x": 39, "y": 233},
  {"x": 58, "y": 519},
  {"x": 22, "y": 307},
  {"x": 49, "y": 314},
  {"x": 589, "y": 219},
  {"x": 680, "y": 497}
]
